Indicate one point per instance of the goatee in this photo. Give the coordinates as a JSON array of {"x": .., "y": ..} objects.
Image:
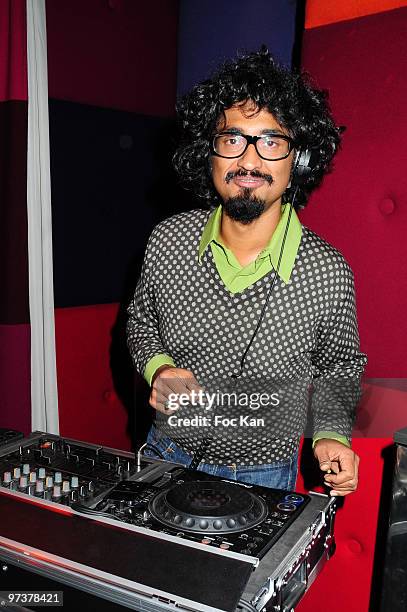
[{"x": 244, "y": 207}]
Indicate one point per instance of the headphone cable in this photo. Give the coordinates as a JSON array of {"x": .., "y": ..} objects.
[
  {"x": 266, "y": 301},
  {"x": 198, "y": 456}
]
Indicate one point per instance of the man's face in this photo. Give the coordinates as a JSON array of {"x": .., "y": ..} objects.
[{"x": 250, "y": 185}]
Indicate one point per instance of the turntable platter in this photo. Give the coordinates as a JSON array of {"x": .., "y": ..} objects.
[{"x": 208, "y": 507}]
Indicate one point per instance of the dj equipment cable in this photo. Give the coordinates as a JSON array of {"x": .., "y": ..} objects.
[
  {"x": 246, "y": 605},
  {"x": 266, "y": 301},
  {"x": 154, "y": 449},
  {"x": 85, "y": 510}
]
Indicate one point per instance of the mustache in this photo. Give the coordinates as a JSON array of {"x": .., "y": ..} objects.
[{"x": 254, "y": 173}]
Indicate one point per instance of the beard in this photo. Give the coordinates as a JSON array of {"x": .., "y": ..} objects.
[{"x": 244, "y": 207}]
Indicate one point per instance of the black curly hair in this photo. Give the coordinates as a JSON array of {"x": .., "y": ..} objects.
[{"x": 297, "y": 106}]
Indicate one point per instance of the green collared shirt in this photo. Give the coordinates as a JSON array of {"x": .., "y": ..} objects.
[{"x": 237, "y": 277}]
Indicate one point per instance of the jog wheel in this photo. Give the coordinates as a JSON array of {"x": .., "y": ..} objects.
[{"x": 208, "y": 507}]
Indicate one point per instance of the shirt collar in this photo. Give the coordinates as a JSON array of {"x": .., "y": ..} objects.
[{"x": 211, "y": 233}]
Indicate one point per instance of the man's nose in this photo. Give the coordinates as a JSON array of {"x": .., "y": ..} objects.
[{"x": 250, "y": 160}]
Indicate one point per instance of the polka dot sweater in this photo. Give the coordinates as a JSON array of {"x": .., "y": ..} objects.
[{"x": 308, "y": 333}]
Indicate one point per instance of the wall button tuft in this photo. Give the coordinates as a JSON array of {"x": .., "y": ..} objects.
[
  {"x": 387, "y": 206},
  {"x": 355, "y": 546}
]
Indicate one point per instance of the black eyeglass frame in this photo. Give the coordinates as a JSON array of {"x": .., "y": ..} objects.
[{"x": 253, "y": 140}]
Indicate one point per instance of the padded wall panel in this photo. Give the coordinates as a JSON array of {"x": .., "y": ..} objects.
[
  {"x": 15, "y": 396},
  {"x": 15, "y": 368},
  {"x": 114, "y": 53},
  {"x": 89, "y": 408},
  {"x": 112, "y": 83},
  {"x": 362, "y": 206},
  {"x": 13, "y": 213},
  {"x": 13, "y": 50},
  {"x": 212, "y": 31},
  {"x": 322, "y": 12},
  {"x": 111, "y": 181},
  {"x": 344, "y": 583}
]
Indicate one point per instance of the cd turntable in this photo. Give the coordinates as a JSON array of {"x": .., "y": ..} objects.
[{"x": 195, "y": 506}]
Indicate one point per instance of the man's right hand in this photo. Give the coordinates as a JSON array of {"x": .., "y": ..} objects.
[{"x": 169, "y": 380}]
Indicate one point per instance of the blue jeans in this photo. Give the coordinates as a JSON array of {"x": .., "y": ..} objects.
[{"x": 279, "y": 475}]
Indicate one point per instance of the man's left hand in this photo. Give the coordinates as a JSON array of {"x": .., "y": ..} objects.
[{"x": 343, "y": 463}]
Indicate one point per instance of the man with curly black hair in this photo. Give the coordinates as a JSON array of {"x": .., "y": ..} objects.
[{"x": 240, "y": 297}]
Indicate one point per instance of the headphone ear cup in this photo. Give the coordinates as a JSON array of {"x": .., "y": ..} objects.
[{"x": 305, "y": 161}]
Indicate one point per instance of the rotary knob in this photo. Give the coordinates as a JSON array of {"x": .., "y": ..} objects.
[
  {"x": 74, "y": 482},
  {"x": 22, "y": 483},
  {"x": 39, "y": 488},
  {"x": 286, "y": 507},
  {"x": 56, "y": 493},
  {"x": 294, "y": 498},
  {"x": 7, "y": 479}
]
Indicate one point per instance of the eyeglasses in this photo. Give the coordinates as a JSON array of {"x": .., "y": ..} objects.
[{"x": 268, "y": 146}]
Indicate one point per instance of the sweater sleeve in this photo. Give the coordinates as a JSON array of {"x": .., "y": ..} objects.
[
  {"x": 337, "y": 363},
  {"x": 143, "y": 335}
]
